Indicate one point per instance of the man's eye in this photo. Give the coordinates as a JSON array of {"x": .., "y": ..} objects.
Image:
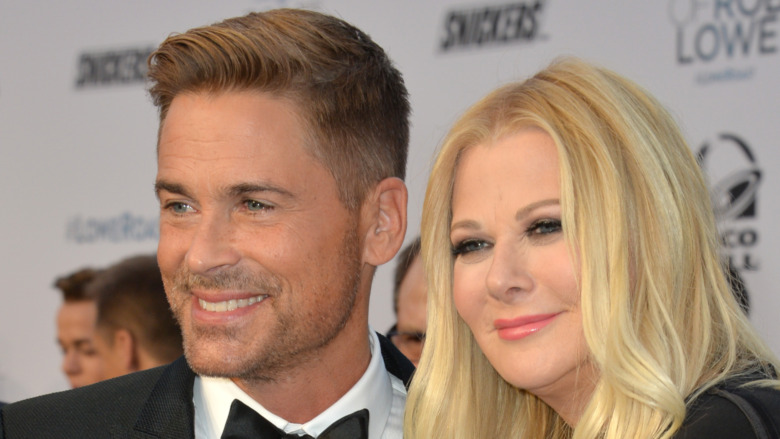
[
  {"x": 88, "y": 352},
  {"x": 179, "y": 208},
  {"x": 256, "y": 206}
]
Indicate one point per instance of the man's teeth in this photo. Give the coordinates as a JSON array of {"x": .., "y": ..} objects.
[{"x": 229, "y": 305}]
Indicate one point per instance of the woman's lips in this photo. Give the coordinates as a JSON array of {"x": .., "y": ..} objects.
[{"x": 521, "y": 327}]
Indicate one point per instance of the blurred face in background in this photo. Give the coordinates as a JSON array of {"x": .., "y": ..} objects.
[
  {"x": 115, "y": 358},
  {"x": 76, "y": 336},
  {"x": 412, "y": 305}
]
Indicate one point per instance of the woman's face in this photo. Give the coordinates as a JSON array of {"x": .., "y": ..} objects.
[{"x": 514, "y": 282}]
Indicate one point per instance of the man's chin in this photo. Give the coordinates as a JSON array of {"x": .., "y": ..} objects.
[{"x": 214, "y": 364}]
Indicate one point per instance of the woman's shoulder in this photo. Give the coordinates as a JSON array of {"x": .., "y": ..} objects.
[{"x": 732, "y": 410}]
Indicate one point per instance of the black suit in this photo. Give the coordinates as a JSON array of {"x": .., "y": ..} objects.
[{"x": 155, "y": 403}]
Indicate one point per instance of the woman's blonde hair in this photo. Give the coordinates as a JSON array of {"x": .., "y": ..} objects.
[{"x": 659, "y": 318}]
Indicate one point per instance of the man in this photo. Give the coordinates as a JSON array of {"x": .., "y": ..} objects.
[
  {"x": 76, "y": 329},
  {"x": 135, "y": 328},
  {"x": 410, "y": 302},
  {"x": 282, "y": 145}
]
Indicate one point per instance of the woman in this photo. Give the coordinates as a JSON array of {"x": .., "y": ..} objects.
[{"x": 575, "y": 284}]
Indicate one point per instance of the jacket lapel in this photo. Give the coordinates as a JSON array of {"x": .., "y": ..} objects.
[
  {"x": 169, "y": 411},
  {"x": 395, "y": 362}
]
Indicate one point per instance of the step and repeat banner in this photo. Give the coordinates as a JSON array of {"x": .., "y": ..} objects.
[{"x": 78, "y": 131}]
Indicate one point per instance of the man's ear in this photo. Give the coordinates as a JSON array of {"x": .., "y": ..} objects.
[
  {"x": 125, "y": 349},
  {"x": 384, "y": 218}
]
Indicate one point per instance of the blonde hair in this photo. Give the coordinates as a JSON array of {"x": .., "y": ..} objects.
[{"x": 659, "y": 318}]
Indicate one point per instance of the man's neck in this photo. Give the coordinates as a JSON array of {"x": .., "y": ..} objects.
[{"x": 304, "y": 391}]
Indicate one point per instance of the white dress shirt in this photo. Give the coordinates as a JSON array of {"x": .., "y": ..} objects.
[{"x": 383, "y": 394}]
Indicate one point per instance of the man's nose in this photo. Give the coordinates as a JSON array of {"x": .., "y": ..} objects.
[
  {"x": 70, "y": 363},
  {"x": 213, "y": 244}
]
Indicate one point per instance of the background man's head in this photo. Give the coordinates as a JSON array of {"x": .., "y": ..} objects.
[
  {"x": 76, "y": 327},
  {"x": 135, "y": 328},
  {"x": 410, "y": 302}
]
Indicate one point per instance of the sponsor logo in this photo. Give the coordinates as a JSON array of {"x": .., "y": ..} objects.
[
  {"x": 734, "y": 178},
  {"x": 125, "y": 227},
  {"x": 511, "y": 23},
  {"x": 712, "y": 31},
  {"x": 112, "y": 67}
]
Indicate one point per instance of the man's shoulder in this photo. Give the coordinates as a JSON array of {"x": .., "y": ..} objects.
[{"x": 82, "y": 412}]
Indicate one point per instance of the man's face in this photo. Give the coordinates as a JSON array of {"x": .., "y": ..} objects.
[
  {"x": 75, "y": 335},
  {"x": 113, "y": 365},
  {"x": 261, "y": 261},
  {"x": 412, "y": 306}
]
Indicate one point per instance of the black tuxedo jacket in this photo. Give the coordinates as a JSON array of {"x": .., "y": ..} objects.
[{"x": 155, "y": 403}]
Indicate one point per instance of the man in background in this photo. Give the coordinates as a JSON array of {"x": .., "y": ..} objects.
[
  {"x": 410, "y": 297},
  {"x": 76, "y": 329},
  {"x": 135, "y": 327}
]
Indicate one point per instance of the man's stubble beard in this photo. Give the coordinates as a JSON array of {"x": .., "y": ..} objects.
[{"x": 292, "y": 339}]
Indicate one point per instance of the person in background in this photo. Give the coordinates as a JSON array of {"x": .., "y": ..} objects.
[
  {"x": 280, "y": 162},
  {"x": 135, "y": 327},
  {"x": 76, "y": 319},
  {"x": 409, "y": 303},
  {"x": 574, "y": 268}
]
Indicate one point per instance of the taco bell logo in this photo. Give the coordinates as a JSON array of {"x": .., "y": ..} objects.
[
  {"x": 724, "y": 29},
  {"x": 734, "y": 178}
]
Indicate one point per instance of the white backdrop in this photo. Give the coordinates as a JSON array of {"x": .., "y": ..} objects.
[{"x": 77, "y": 130}]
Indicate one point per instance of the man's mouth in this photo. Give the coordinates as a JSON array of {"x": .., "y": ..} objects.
[{"x": 230, "y": 305}]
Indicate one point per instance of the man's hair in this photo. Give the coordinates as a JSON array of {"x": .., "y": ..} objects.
[
  {"x": 353, "y": 103},
  {"x": 405, "y": 259},
  {"x": 73, "y": 285},
  {"x": 130, "y": 295}
]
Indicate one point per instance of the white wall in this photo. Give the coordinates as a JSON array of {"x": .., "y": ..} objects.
[{"x": 76, "y": 158}]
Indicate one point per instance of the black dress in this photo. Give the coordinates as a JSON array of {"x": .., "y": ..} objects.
[{"x": 728, "y": 411}]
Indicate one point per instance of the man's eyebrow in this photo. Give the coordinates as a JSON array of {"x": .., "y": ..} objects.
[
  {"x": 236, "y": 190},
  {"x": 174, "y": 188},
  {"x": 250, "y": 188},
  {"x": 82, "y": 342}
]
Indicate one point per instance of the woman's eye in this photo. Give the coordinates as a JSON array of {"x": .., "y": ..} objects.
[
  {"x": 468, "y": 246},
  {"x": 545, "y": 227}
]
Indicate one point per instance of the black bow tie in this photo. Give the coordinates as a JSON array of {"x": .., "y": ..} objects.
[{"x": 245, "y": 423}]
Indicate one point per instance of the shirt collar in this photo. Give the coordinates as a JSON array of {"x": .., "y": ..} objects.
[{"x": 212, "y": 398}]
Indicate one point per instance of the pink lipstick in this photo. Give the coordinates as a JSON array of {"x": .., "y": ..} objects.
[{"x": 521, "y": 327}]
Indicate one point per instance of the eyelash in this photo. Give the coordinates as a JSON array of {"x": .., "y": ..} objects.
[
  {"x": 536, "y": 227},
  {"x": 535, "y": 230},
  {"x": 462, "y": 247}
]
